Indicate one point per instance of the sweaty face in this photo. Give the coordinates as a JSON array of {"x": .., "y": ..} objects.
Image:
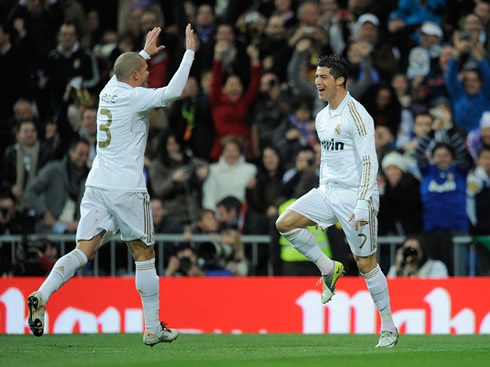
[{"x": 325, "y": 83}]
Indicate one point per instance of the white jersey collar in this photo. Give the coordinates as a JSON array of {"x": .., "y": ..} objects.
[{"x": 340, "y": 107}]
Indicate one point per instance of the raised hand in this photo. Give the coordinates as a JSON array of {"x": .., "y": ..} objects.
[
  {"x": 190, "y": 42},
  {"x": 151, "y": 47}
]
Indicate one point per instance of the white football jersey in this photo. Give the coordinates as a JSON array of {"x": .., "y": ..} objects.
[
  {"x": 122, "y": 129},
  {"x": 348, "y": 150}
]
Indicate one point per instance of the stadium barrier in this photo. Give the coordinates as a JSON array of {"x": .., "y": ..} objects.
[
  {"x": 12, "y": 243},
  {"x": 252, "y": 305}
]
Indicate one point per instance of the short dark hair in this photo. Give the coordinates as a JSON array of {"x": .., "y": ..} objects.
[
  {"x": 338, "y": 66},
  {"x": 443, "y": 145},
  {"x": 229, "y": 203},
  {"x": 78, "y": 140}
]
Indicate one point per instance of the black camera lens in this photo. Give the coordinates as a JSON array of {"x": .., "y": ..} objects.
[
  {"x": 410, "y": 255},
  {"x": 4, "y": 210}
]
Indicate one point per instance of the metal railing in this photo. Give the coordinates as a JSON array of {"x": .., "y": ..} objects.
[{"x": 67, "y": 241}]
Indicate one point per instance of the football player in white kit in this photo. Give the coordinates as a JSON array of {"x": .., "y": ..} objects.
[
  {"x": 347, "y": 192},
  {"x": 116, "y": 198}
]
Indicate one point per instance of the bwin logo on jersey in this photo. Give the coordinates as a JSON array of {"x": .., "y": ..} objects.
[{"x": 332, "y": 145}]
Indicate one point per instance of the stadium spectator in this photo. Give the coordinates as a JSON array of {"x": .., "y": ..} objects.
[
  {"x": 422, "y": 57},
  {"x": 184, "y": 263},
  {"x": 9, "y": 217},
  {"x": 228, "y": 177},
  {"x": 412, "y": 260},
  {"x": 207, "y": 223},
  {"x": 270, "y": 108},
  {"x": 471, "y": 96},
  {"x": 384, "y": 61},
  {"x": 480, "y": 137},
  {"x": 67, "y": 63},
  {"x": 264, "y": 193},
  {"x": 55, "y": 194},
  {"x": 361, "y": 71},
  {"x": 13, "y": 58},
  {"x": 417, "y": 11},
  {"x": 382, "y": 103},
  {"x": 295, "y": 131},
  {"x": 237, "y": 263},
  {"x": 231, "y": 214},
  {"x": 162, "y": 65},
  {"x": 433, "y": 85},
  {"x": 274, "y": 48},
  {"x": 191, "y": 120},
  {"x": 400, "y": 203},
  {"x": 176, "y": 178},
  {"x": 300, "y": 72},
  {"x": 478, "y": 194},
  {"x": 230, "y": 104},
  {"x": 162, "y": 222},
  {"x": 23, "y": 161},
  {"x": 422, "y": 126}
]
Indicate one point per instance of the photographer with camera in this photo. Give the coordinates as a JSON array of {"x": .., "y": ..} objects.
[
  {"x": 184, "y": 263},
  {"x": 412, "y": 260}
]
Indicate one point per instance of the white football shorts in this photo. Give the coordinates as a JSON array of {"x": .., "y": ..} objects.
[
  {"x": 331, "y": 203},
  {"x": 113, "y": 211}
]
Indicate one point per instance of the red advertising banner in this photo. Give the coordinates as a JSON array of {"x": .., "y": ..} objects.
[{"x": 253, "y": 305}]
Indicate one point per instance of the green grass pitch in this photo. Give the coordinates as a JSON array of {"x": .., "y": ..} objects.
[{"x": 243, "y": 350}]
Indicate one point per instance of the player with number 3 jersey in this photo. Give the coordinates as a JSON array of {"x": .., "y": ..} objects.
[{"x": 116, "y": 199}]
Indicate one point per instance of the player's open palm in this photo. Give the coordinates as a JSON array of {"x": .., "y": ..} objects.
[{"x": 151, "y": 47}]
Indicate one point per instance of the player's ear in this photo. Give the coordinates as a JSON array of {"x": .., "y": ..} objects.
[{"x": 340, "y": 81}]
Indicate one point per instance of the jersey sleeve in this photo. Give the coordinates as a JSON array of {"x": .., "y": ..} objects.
[
  {"x": 150, "y": 98},
  {"x": 363, "y": 137}
]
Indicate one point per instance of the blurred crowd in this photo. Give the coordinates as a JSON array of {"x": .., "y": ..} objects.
[{"x": 240, "y": 145}]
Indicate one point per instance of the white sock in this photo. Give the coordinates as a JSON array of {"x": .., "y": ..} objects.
[
  {"x": 378, "y": 287},
  {"x": 148, "y": 286},
  {"x": 303, "y": 241},
  {"x": 63, "y": 270}
]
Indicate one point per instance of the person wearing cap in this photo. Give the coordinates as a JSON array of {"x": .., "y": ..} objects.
[
  {"x": 400, "y": 203},
  {"x": 367, "y": 30},
  {"x": 421, "y": 58}
]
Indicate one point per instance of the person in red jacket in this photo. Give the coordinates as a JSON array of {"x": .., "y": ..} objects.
[{"x": 230, "y": 104}]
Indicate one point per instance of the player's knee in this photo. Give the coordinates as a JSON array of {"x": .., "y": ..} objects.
[{"x": 283, "y": 225}]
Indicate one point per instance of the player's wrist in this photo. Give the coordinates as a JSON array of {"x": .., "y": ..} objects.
[{"x": 145, "y": 55}]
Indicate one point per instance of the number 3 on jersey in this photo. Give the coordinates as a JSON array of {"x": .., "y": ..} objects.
[{"x": 106, "y": 128}]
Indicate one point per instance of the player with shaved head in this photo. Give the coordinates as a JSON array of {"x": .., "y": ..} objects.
[{"x": 116, "y": 198}]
